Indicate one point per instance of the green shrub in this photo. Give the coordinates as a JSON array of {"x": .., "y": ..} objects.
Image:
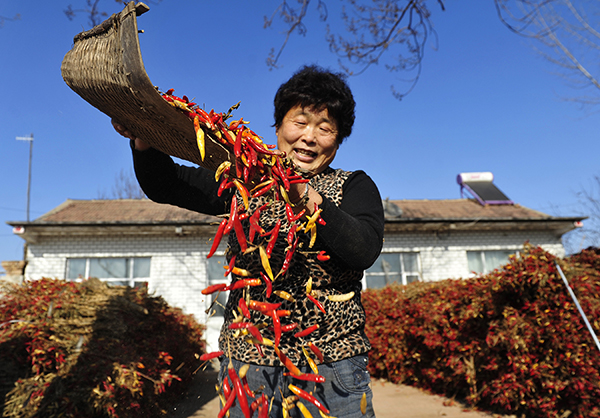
[
  {"x": 511, "y": 341},
  {"x": 89, "y": 350}
]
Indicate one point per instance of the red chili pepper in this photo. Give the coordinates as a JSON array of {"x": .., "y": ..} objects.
[
  {"x": 276, "y": 173},
  {"x": 259, "y": 349},
  {"x": 210, "y": 356},
  {"x": 258, "y": 148},
  {"x": 239, "y": 233},
  {"x": 299, "y": 215},
  {"x": 233, "y": 213},
  {"x": 289, "y": 327},
  {"x": 255, "y": 226},
  {"x": 214, "y": 288},
  {"x": 263, "y": 307},
  {"x": 263, "y": 409},
  {"x": 230, "y": 266},
  {"x": 255, "y": 333},
  {"x": 237, "y": 146},
  {"x": 254, "y": 405},
  {"x": 316, "y": 350},
  {"x": 268, "y": 283},
  {"x": 289, "y": 212},
  {"x": 273, "y": 238},
  {"x": 244, "y": 308},
  {"x": 306, "y": 331},
  {"x": 279, "y": 312},
  {"x": 264, "y": 189},
  {"x": 224, "y": 185},
  {"x": 245, "y": 173},
  {"x": 238, "y": 284},
  {"x": 299, "y": 179},
  {"x": 288, "y": 258},
  {"x": 322, "y": 256},
  {"x": 287, "y": 362},
  {"x": 284, "y": 179},
  {"x": 316, "y": 302},
  {"x": 217, "y": 238},
  {"x": 308, "y": 377},
  {"x": 239, "y": 173},
  {"x": 227, "y": 406},
  {"x": 307, "y": 396},
  {"x": 292, "y": 233},
  {"x": 276, "y": 328},
  {"x": 226, "y": 387},
  {"x": 243, "y": 192},
  {"x": 239, "y": 391}
]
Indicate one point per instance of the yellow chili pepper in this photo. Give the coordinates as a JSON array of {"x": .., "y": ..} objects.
[
  {"x": 284, "y": 295},
  {"x": 199, "y": 137},
  {"x": 311, "y": 362},
  {"x": 264, "y": 259},
  {"x": 222, "y": 167},
  {"x": 304, "y": 410},
  {"x": 312, "y": 220},
  {"x": 341, "y": 298},
  {"x": 242, "y": 190},
  {"x": 313, "y": 236},
  {"x": 363, "y": 404}
]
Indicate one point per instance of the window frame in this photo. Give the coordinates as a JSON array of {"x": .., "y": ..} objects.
[
  {"x": 219, "y": 313},
  {"x": 130, "y": 280},
  {"x": 482, "y": 259},
  {"x": 403, "y": 273}
]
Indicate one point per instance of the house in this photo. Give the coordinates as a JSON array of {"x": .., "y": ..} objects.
[{"x": 138, "y": 242}]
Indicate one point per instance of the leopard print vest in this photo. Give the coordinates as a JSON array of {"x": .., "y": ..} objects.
[{"x": 341, "y": 328}]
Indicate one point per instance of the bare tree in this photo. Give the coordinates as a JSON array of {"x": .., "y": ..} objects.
[
  {"x": 389, "y": 32},
  {"x": 566, "y": 33},
  {"x": 4, "y": 19},
  {"x": 94, "y": 11},
  {"x": 589, "y": 200},
  {"x": 125, "y": 187}
]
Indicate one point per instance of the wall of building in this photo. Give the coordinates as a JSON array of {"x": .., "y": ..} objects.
[
  {"x": 178, "y": 264},
  {"x": 444, "y": 255},
  {"x": 177, "y": 268}
]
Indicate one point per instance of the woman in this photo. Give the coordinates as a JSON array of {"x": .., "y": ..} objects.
[{"x": 314, "y": 113}]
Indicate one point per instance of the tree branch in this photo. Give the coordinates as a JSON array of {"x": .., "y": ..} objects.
[{"x": 567, "y": 33}]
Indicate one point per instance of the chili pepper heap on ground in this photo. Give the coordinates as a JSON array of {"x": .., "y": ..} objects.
[{"x": 258, "y": 171}]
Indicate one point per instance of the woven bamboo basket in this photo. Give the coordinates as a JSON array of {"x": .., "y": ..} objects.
[{"x": 105, "y": 68}]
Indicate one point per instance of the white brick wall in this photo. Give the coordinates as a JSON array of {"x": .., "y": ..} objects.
[
  {"x": 444, "y": 256},
  {"x": 177, "y": 267},
  {"x": 178, "y": 264}
]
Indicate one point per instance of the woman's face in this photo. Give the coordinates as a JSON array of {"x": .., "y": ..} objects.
[{"x": 308, "y": 137}]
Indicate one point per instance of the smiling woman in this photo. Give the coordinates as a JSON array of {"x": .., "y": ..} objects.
[
  {"x": 308, "y": 137},
  {"x": 313, "y": 280}
]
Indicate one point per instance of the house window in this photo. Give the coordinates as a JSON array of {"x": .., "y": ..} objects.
[
  {"x": 389, "y": 268},
  {"x": 117, "y": 271},
  {"x": 215, "y": 272},
  {"x": 486, "y": 261}
]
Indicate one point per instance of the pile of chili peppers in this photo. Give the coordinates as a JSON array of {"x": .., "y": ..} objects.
[{"x": 258, "y": 171}]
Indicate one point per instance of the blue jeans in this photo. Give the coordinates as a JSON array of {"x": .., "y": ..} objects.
[{"x": 341, "y": 393}]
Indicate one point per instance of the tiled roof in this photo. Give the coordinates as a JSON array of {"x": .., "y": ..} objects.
[
  {"x": 143, "y": 211},
  {"x": 464, "y": 209},
  {"x": 122, "y": 211}
]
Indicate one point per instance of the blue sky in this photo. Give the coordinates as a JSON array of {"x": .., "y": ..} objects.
[{"x": 485, "y": 102}]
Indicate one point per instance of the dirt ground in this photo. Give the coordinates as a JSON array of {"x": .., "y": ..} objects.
[{"x": 389, "y": 401}]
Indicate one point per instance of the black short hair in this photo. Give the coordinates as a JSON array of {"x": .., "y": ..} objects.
[{"x": 314, "y": 87}]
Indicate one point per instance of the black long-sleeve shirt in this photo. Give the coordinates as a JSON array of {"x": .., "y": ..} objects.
[{"x": 352, "y": 235}]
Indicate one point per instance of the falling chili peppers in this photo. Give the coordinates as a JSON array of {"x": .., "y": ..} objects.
[{"x": 257, "y": 171}]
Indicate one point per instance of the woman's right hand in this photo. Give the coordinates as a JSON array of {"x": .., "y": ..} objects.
[{"x": 139, "y": 144}]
